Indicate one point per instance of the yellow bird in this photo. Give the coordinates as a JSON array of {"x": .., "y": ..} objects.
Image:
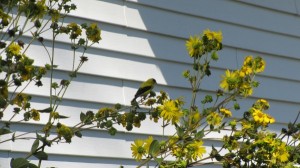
[{"x": 145, "y": 88}]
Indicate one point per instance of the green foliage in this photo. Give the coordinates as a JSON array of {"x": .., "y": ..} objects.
[
  {"x": 4, "y": 131},
  {"x": 249, "y": 143},
  {"x": 19, "y": 163},
  {"x": 34, "y": 18}
]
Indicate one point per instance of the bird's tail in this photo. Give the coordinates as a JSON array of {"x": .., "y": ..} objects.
[{"x": 133, "y": 101}]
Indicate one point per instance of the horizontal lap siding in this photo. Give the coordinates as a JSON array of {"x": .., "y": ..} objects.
[{"x": 143, "y": 39}]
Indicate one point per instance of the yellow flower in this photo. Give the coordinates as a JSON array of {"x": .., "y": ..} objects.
[
  {"x": 245, "y": 71},
  {"x": 196, "y": 150},
  {"x": 262, "y": 118},
  {"x": 22, "y": 100},
  {"x": 248, "y": 61},
  {"x": 55, "y": 15},
  {"x": 229, "y": 80},
  {"x": 213, "y": 35},
  {"x": 246, "y": 125},
  {"x": 4, "y": 17},
  {"x": 260, "y": 65},
  {"x": 176, "y": 151},
  {"x": 35, "y": 115},
  {"x": 93, "y": 33},
  {"x": 138, "y": 149},
  {"x": 75, "y": 30},
  {"x": 170, "y": 111},
  {"x": 226, "y": 112},
  {"x": 64, "y": 131},
  {"x": 40, "y": 10},
  {"x": 14, "y": 49},
  {"x": 173, "y": 140},
  {"x": 269, "y": 119},
  {"x": 194, "y": 46},
  {"x": 54, "y": 115},
  {"x": 281, "y": 153},
  {"x": 247, "y": 67},
  {"x": 246, "y": 89},
  {"x": 27, "y": 72},
  {"x": 251, "y": 65},
  {"x": 214, "y": 119},
  {"x": 261, "y": 104},
  {"x": 195, "y": 117},
  {"x": 258, "y": 116}
]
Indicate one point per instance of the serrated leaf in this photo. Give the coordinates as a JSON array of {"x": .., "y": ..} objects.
[
  {"x": 41, "y": 155},
  {"x": 18, "y": 162},
  {"x": 154, "y": 148},
  {"x": 4, "y": 131},
  {"x": 78, "y": 134},
  {"x": 46, "y": 110},
  {"x": 35, "y": 145}
]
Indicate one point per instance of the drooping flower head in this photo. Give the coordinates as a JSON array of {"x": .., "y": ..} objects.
[
  {"x": 211, "y": 35},
  {"x": 93, "y": 33},
  {"x": 225, "y": 112},
  {"x": 260, "y": 65}
]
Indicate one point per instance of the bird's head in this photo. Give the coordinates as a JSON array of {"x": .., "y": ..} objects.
[{"x": 152, "y": 80}]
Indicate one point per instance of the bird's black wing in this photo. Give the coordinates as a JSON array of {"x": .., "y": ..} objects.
[{"x": 141, "y": 91}]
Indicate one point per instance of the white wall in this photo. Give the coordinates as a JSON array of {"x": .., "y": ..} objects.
[{"x": 143, "y": 39}]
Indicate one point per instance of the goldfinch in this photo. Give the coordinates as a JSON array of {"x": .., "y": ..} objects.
[{"x": 145, "y": 88}]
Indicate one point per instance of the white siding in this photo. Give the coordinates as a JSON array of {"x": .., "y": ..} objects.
[{"x": 146, "y": 38}]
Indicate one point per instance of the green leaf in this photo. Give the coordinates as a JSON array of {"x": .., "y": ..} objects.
[
  {"x": 200, "y": 134},
  {"x": 185, "y": 111},
  {"x": 154, "y": 148},
  {"x": 214, "y": 56},
  {"x": 62, "y": 116},
  {"x": 78, "y": 134},
  {"x": 4, "y": 131},
  {"x": 180, "y": 132},
  {"x": 46, "y": 110},
  {"x": 54, "y": 85},
  {"x": 82, "y": 116},
  {"x": 3, "y": 102},
  {"x": 35, "y": 145},
  {"x": 213, "y": 152},
  {"x": 159, "y": 160},
  {"x": 39, "y": 137},
  {"x": 118, "y": 106},
  {"x": 30, "y": 165},
  {"x": 41, "y": 155},
  {"x": 18, "y": 162},
  {"x": 13, "y": 137}
]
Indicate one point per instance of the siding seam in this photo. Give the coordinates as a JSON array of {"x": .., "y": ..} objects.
[
  {"x": 296, "y": 6},
  {"x": 267, "y": 8}
]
